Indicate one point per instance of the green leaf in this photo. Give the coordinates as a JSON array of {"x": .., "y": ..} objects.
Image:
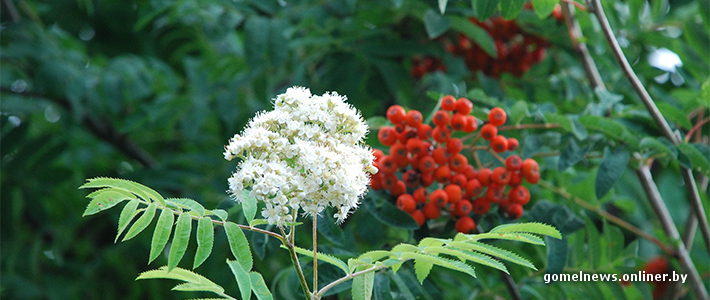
[
  {"x": 239, "y": 245},
  {"x": 205, "y": 240},
  {"x": 520, "y": 237},
  {"x": 104, "y": 199},
  {"x": 141, "y": 223},
  {"x": 478, "y": 35},
  {"x": 655, "y": 145},
  {"x": 140, "y": 190},
  {"x": 179, "y": 274},
  {"x": 610, "y": 170},
  {"x": 198, "y": 287},
  {"x": 518, "y": 112},
  {"x": 377, "y": 122},
  {"x": 220, "y": 213},
  {"x": 362, "y": 285},
  {"x": 401, "y": 286},
  {"x": 422, "y": 269},
  {"x": 696, "y": 157},
  {"x": 440, "y": 261},
  {"x": 322, "y": 257},
  {"x": 189, "y": 204},
  {"x": 127, "y": 214},
  {"x": 610, "y": 128},
  {"x": 535, "y": 228},
  {"x": 375, "y": 255},
  {"x": 181, "y": 237},
  {"x": 435, "y": 24},
  {"x": 674, "y": 115},
  {"x": 248, "y": 206},
  {"x": 259, "y": 287},
  {"x": 464, "y": 255},
  {"x": 544, "y": 8},
  {"x": 558, "y": 215},
  {"x": 556, "y": 255},
  {"x": 485, "y": 8},
  {"x": 493, "y": 251},
  {"x": 243, "y": 278},
  {"x": 381, "y": 290},
  {"x": 572, "y": 154},
  {"x": 594, "y": 245},
  {"x": 442, "y": 5},
  {"x": 161, "y": 234},
  {"x": 510, "y": 9}
]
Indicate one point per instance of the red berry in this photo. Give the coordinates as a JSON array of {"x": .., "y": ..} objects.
[
  {"x": 415, "y": 146},
  {"x": 389, "y": 181},
  {"x": 427, "y": 179},
  {"x": 411, "y": 178},
  {"x": 458, "y": 162},
  {"x": 531, "y": 170},
  {"x": 516, "y": 178},
  {"x": 421, "y": 195},
  {"x": 396, "y": 114},
  {"x": 454, "y": 192},
  {"x": 398, "y": 189},
  {"x": 513, "y": 163},
  {"x": 495, "y": 193},
  {"x": 398, "y": 151},
  {"x": 431, "y": 211},
  {"x": 470, "y": 172},
  {"x": 427, "y": 164},
  {"x": 441, "y": 156},
  {"x": 406, "y": 134},
  {"x": 513, "y": 144},
  {"x": 441, "y": 134},
  {"x": 514, "y": 211},
  {"x": 387, "y": 136},
  {"x": 460, "y": 180},
  {"x": 441, "y": 118},
  {"x": 497, "y": 116},
  {"x": 377, "y": 153},
  {"x": 488, "y": 131},
  {"x": 458, "y": 121},
  {"x": 481, "y": 206},
  {"x": 465, "y": 225},
  {"x": 387, "y": 164},
  {"x": 454, "y": 145},
  {"x": 484, "y": 176},
  {"x": 418, "y": 216},
  {"x": 464, "y": 106},
  {"x": 462, "y": 208},
  {"x": 376, "y": 181},
  {"x": 499, "y": 144},
  {"x": 448, "y": 103},
  {"x": 406, "y": 203},
  {"x": 439, "y": 198},
  {"x": 471, "y": 124},
  {"x": 413, "y": 118},
  {"x": 500, "y": 176},
  {"x": 473, "y": 187},
  {"x": 424, "y": 131},
  {"x": 442, "y": 174},
  {"x": 519, "y": 194}
]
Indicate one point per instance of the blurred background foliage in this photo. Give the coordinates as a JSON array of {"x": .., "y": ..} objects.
[{"x": 151, "y": 90}]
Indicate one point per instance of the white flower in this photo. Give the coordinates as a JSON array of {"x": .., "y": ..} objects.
[{"x": 306, "y": 154}]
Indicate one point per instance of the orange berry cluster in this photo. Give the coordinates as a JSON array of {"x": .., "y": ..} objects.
[
  {"x": 517, "y": 50},
  {"x": 422, "y": 66},
  {"x": 420, "y": 155}
]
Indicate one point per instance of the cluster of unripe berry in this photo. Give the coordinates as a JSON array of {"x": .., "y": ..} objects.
[
  {"x": 517, "y": 50},
  {"x": 421, "y": 156}
]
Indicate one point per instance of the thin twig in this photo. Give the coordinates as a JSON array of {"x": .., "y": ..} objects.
[
  {"x": 693, "y": 195},
  {"x": 528, "y": 126},
  {"x": 295, "y": 262},
  {"x": 575, "y": 34},
  {"x": 496, "y": 155},
  {"x": 579, "y": 6},
  {"x": 654, "y": 196},
  {"x": 315, "y": 251},
  {"x": 510, "y": 285},
  {"x": 697, "y": 126}
]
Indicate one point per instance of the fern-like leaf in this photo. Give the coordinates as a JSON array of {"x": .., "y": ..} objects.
[
  {"x": 104, "y": 199},
  {"x": 494, "y": 251},
  {"x": 440, "y": 261},
  {"x": 258, "y": 286},
  {"x": 464, "y": 255},
  {"x": 138, "y": 189},
  {"x": 239, "y": 245},
  {"x": 323, "y": 257},
  {"x": 129, "y": 212},
  {"x": 183, "y": 275},
  {"x": 192, "y": 206},
  {"x": 181, "y": 238},
  {"x": 242, "y": 277},
  {"x": 161, "y": 234},
  {"x": 534, "y": 228},
  {"x": 205, "y": 241},
  {"x": 142, "y": 222}
]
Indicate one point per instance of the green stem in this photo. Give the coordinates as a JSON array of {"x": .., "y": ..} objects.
[
  {"x": 345, "y": 278},
  {"x": 315, "y": 251},
  {"x": 294, "y": 260}
]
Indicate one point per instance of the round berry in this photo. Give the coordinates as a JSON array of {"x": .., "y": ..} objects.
[
  {"x": 427, "y": 164},
  {"x": 516, "y": 178},
  {"x": 494, "y": 193},
  {"x": 415, "y": 146},
  {"x": 454, "y": 145},
  {"x": 418, "y": 216},
  {"x": 421, "y": 195},
  {"x": 398, "y": 151},
  {"x": 442, "y": 174},
  {"x": 471, "y": 124},
  {"x": 473, "y": 187},
  {"x": 396, "y": 114},
  {"x": 439, "y": 198},
  {"x": 411, "y": 178},
  {"x": 489, "y": 131},
  {"x": 441, "y": 134},
  {"x": 427, "y": 179},
  {"x": 499, "y": 144},
  {"x": 389, "y": 181},
  {"x": 462, "y": 208},
  {"x": 454, "y": 192},
  {"x": 464, "y": 106},
  {"x": 387, "y": 164},
  {"x": 513, "y": 163},
  {"x": 470, "y": 172},
  {"x": 484, "y": 176},
  {"x": 497, "y": 116},
  {"x": 398, "y": 189},
  {"x": 377, "y": 153},
  {"x": 448, "y": 103},
  {"x": 441, "y": 118},
  {"x": 387, "y": 136},
  {"x": 424, "y": 131},
  {"x": 406, "y": 203},
  {"x": 465, "y": 225},
  {"x": 376, "y": 181},
  {"x": 513, "y": 144},
  {"x": 460, "y": 180},
  {"x": 531, "y": 170},
  {"x": 431, "y": 211},
  {"x": 458, "y": 121},
  {"x": 514, "y": 211},
  {"x": 519, "y": 194},
  {"x": 481, "y": 206},
  {"x": 441, "y": 156},
  {"x": 413, "y": 118},
  {"x": 500, "y": 176},
  {"x": 458, "y": 162}
]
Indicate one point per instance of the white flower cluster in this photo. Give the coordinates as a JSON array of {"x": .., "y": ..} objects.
[{"x": 306, "y": 153}]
